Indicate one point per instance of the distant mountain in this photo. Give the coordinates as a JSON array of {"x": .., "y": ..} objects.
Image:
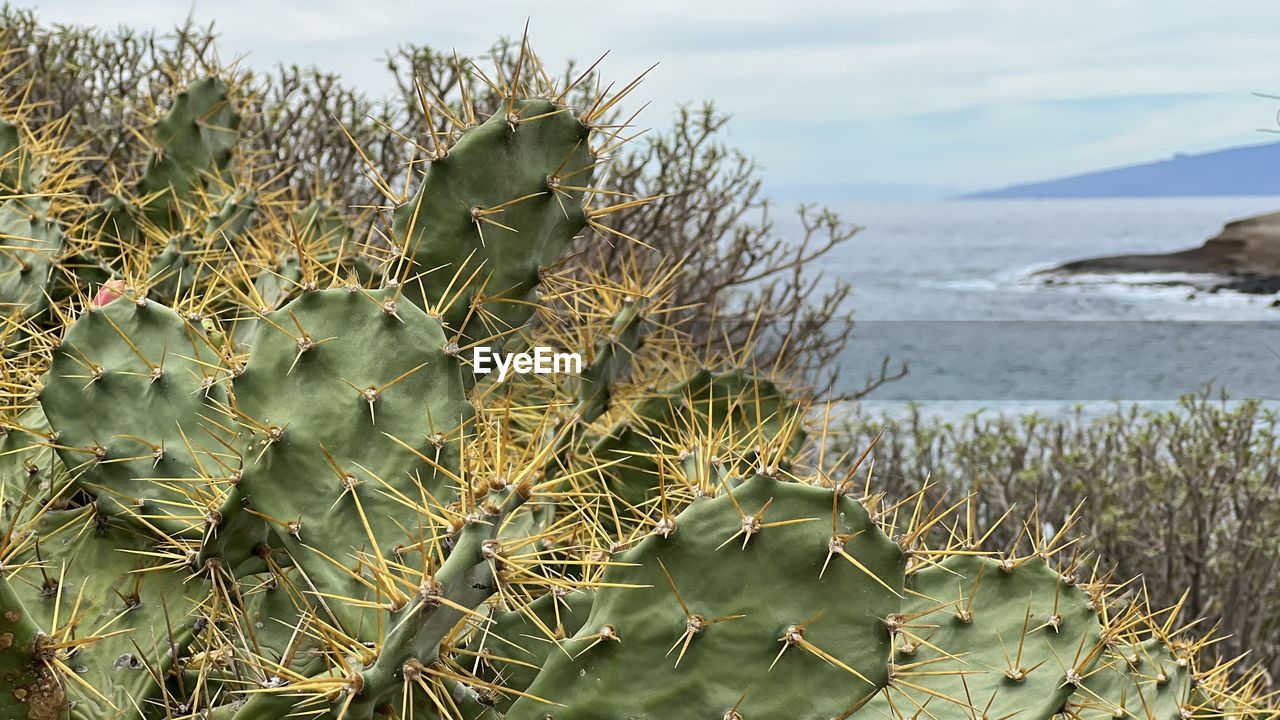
[{"x": 1249, "y": 170}]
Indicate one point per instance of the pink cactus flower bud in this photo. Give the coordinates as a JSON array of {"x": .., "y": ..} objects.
[{"x": 109, "y": 291}]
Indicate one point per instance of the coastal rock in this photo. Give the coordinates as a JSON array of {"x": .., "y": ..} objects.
[{"x": 1247, "y": 249}]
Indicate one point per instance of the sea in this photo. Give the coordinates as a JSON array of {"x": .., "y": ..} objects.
[{"x": 952, "y": 289}]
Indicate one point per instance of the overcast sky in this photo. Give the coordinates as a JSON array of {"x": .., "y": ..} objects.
[{"x": 957, "y": 94}]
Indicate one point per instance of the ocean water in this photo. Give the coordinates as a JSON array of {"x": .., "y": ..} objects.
[{"x": 950, "y": 287}]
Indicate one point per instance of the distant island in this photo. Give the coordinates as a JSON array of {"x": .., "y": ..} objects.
[{"x": 1248, "y": 170}]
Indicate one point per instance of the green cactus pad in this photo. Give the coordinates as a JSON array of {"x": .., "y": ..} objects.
[
  {"x": 1141, "y": 680},
  {"x": 193, "y": 148},
  {"x": 792, "y": 614},
  {"x": 518, "y": 642},
  {"x": 979, "y": 635},
  {"x": 339, "y": 385},
  {"x": 174, "y": 271},
  {"x": 193, "y": 144},
  {"x": 323, "y": 232},
  {"x": 30, "y": 246},
  {"x": 323, "y": 240},
  {"x": 103, "y": 570},
  {"x": 524, "y": 162},
  {"x": 14, "y": 162},
  {"x": 30, "y": 471},
  {"x": 706, "y": 400},
  {"x": 610, "y": 360},
  {"x": 133, "y": 395},
  {"x": 31, "y": 689}
]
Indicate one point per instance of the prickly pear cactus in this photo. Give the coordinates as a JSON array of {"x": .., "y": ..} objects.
[
  {"x": 132, "y": 394},
  {"x": 170, "y": 232},
  {"x": 610, "y": 360},
  {"x": 193, "y": 145},
  {"x": 729, "y": 608},
  {"x": 1135, "y": 679},
  {"x": 188, "y": 256},
  {"x": 518, "y": 643},
  {"x": 247, "y": 477},
  {"x": 352, "y": 413},
  {"x": 493, "y": 213},
  {"x": 322, "y": 250},
  {"x": 31, "y": 474},
  {"x": 32, "y": 244},
  {"x": 113, "y": 603},
  {"x": 1003, "y": 636},
  {"x": 756, "y": 407},
  {"x": 32, "y": 688}
]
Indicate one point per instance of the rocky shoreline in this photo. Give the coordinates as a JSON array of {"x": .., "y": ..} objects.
[{"x": 1244, "y": 257}]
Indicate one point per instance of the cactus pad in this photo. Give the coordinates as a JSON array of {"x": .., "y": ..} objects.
[
  {"x": 498, "y": 208},
  {"x": 353, "y": 413},
  {"x": 766, "y": 612},
  {"x": 132, "y": 394}
]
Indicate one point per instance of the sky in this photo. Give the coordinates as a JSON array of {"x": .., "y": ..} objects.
[{"x": 838, "y": 98}]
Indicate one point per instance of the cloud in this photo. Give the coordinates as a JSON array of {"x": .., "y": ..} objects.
[{"x": 931, "y": 92}]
